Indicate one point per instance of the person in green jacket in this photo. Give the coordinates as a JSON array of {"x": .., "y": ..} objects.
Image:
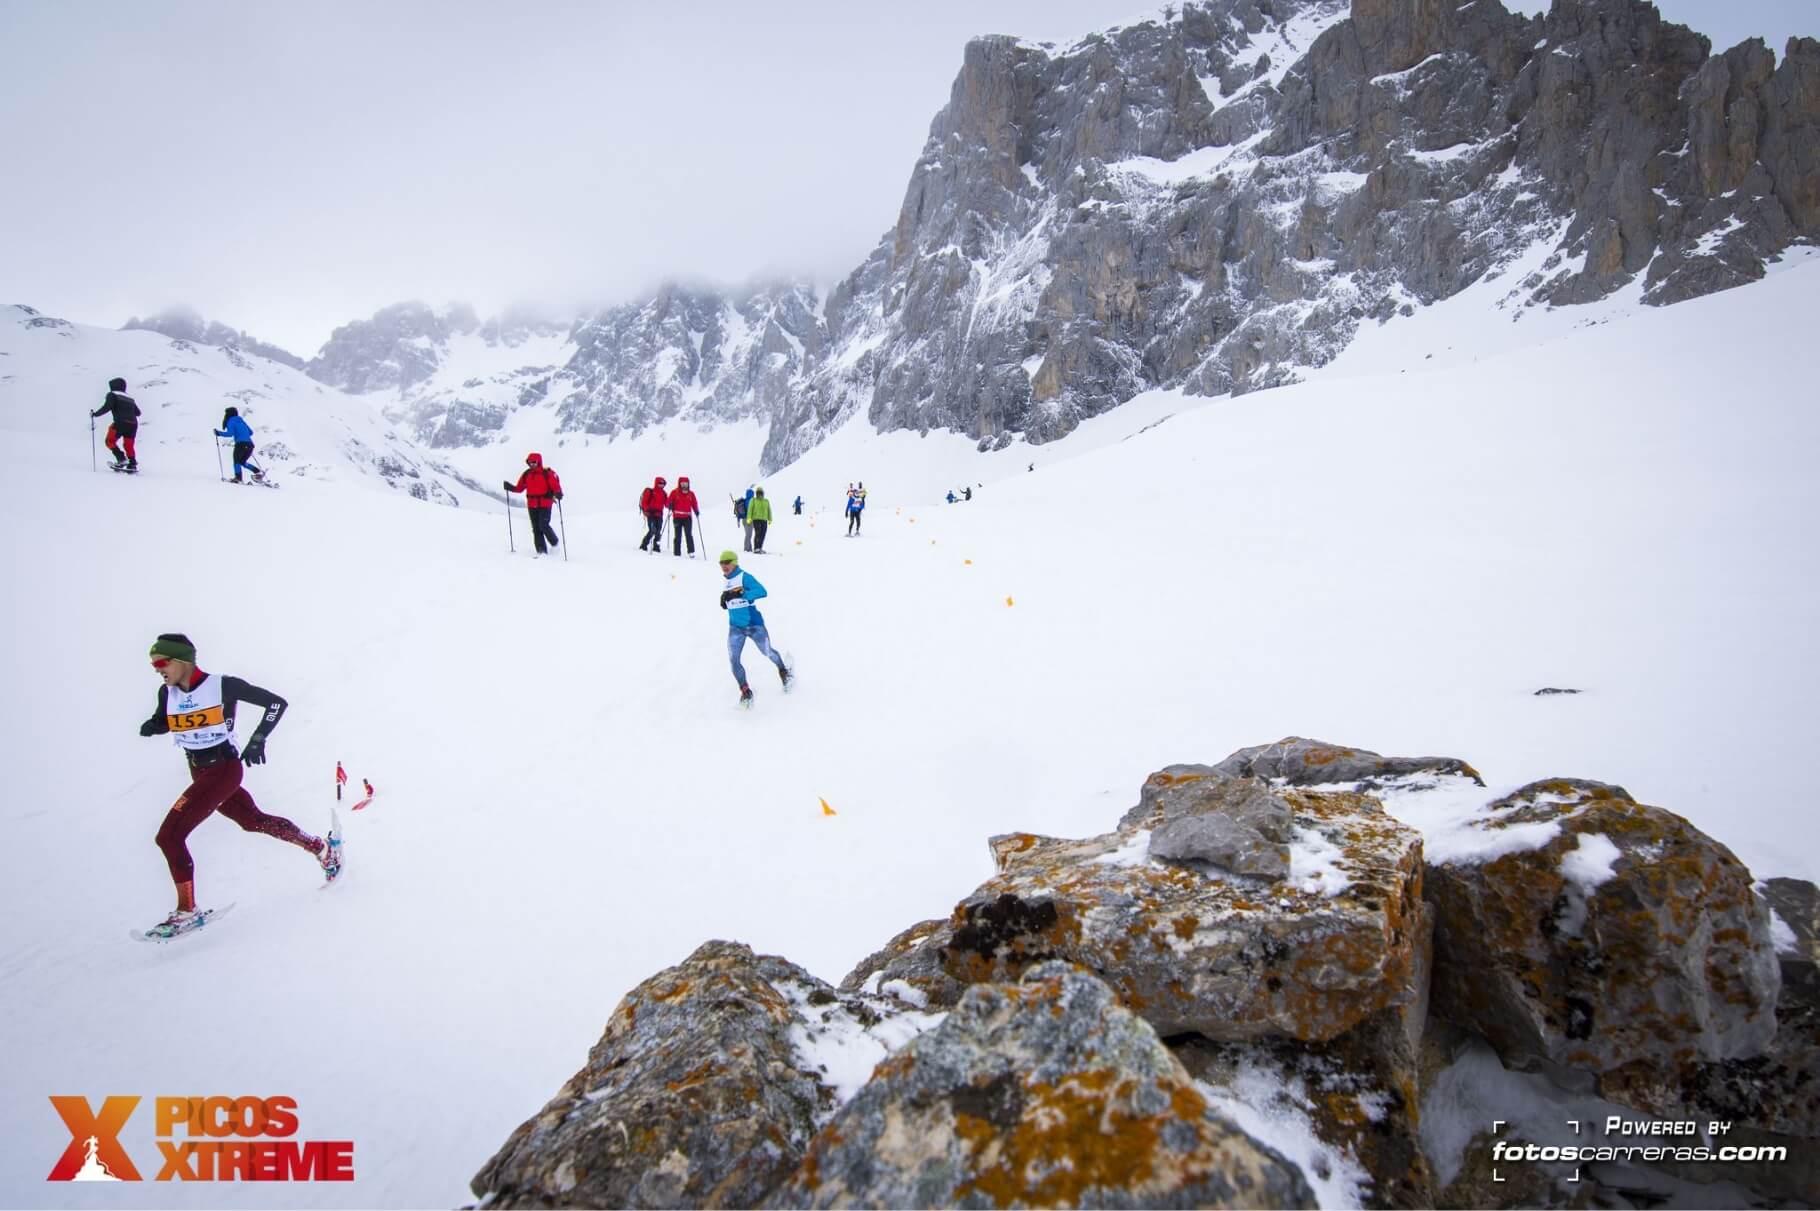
[{"x": 759, "y": 514}]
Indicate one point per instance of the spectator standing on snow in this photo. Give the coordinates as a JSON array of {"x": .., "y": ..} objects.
[
  {"x": 759, "y": 513},
  {"x": 123, "y": 428},
  {"x": 540, "y": 486},
  {"x": 683, "y": 508},
  {"x": 651, "y": 503},
  {"x": 744, "y": 622},
  {"x": 234, "y": 425}
]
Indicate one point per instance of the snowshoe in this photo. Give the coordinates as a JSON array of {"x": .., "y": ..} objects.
[
  {"x": 178, "y": 924},
  {"x": 745, "y": 697},
  {"x": 330, "y": 857}
]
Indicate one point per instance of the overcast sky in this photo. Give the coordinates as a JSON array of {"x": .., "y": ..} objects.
[{"x": 285, "y": 168}]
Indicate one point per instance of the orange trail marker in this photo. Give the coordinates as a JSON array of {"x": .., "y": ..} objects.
[{"x": 826, "y": 810}]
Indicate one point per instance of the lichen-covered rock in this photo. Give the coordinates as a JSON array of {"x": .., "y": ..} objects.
[
  {"x": 702, "y": 1092},
  {"x": 909, "y": 967},
  {"x": 1797, "y": 905},
  {"x": 1195, "y": 949},
  {"x": 1301, "y": 762},
  {"x": 1040, "y": 1094},
  {"x": 1617, "y": 939},
  {"x": 1236, "y": 824},
  {"x": 1358, "y": 1095}
]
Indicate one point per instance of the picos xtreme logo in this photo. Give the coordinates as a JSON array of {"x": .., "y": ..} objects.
[{"x": 201, "y": 1139}]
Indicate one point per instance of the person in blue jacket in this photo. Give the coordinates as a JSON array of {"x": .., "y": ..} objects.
[
  {"x": 745, "y": 622},
  {"x": 234, "y": 425},
  {"x": 799, "y": 506}
]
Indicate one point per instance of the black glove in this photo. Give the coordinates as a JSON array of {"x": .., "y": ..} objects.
[
  {"x": 557, "y": 495},
  {"x": 507, "y": 484},
  {"x": 739, "y": 592},
  {"x": 723, "y": 598},
  {"x": 254, "y": 753},
  {"x": 149, "y": 728}
]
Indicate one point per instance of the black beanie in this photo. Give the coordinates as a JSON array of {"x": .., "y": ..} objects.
[{"x": 116, "y": 384}]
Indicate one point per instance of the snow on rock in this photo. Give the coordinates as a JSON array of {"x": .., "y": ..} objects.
[
  {"x": 1623, "y": 964},
  {"x": 746, "y": 1054},
  {"x": 1194, "y": 947},
  {"x": 1042, "y": 1093}
]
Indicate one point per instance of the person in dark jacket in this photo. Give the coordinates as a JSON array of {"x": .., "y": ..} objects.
[
  {"x": 541, "y": 487},
  {"x": 739, "y": 517},
  {"x": 651, "y": 503},
  {"x": 683, "y": 508},
  {"x": 123, "y": 428},
  {"x": 197, "y": 711},
  {"x": 234, "y": 425},
  {"x": 799, "y": 506}
]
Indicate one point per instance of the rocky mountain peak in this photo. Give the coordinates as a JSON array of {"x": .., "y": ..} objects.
[{"x": 182, "y": 323}]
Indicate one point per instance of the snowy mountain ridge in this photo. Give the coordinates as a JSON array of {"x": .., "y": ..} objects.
[
  {"x": 1219, "y": 199},
  {"x": 304, "y": 431}
]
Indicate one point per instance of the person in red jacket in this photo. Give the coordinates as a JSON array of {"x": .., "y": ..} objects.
[
  {"x": 683, "y": 507},
  {"x": 540, "y": 486},
  {"x": 651, "y": 503}
]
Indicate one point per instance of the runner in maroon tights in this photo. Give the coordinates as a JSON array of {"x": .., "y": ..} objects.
[{"x": 197, "y": 709}]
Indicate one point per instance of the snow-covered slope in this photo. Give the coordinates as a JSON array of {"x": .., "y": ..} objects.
[
  {"x": 569, "y": 801},
  {"x": 53, "y": 372}
]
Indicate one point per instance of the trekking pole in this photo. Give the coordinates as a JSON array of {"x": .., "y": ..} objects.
[
  {"x": 91, "y": 445},
  {"x": 219, "y": 473},
  {"x": 511, "y": 543},
  {"x": 564, "y": 527}
]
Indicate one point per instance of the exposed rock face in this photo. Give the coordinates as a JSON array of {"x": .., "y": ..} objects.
[
  {"x": 1040, "y": 1094},
  {"x": 914, "y": 958},
  {"x": 1217, "y": 201},
  {"x": 1359, "y": 1094},
  {"x": 185, "y": 324},
  {"x": 1194, "y": 949},
  {"x": 691, "y": 354},
  {"x": 698, "y": 1094},
  {"x": 1236, "y": 824},
  {"x": 395, "y": 349},
  {"x": 1302, "y": 762},
  {"x": 1629, "y": 944}
]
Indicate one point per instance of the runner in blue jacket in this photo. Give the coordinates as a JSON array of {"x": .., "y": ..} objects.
[
  {"x": 234, "y": 425},
  {"x": 745, "y": 622}
]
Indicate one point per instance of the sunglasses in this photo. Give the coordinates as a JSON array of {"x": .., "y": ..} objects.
[{"x": 161, "y": 663}]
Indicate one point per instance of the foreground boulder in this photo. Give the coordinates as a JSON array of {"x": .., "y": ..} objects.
[
  {"x": 1196, "y": 949},
  {"x": 1614, "y": 938},
  {"x": 704, "y": 1091},
  {"x": 1039, "y": 1094}
]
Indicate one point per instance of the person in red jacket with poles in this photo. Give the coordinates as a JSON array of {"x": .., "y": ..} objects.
[
  {"x": 541, "y": 487},
  {"x": 683, "y": 508},
  {"x": 651, "y": 503}
]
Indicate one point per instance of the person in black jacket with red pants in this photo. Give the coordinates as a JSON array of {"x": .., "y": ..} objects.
[
  {"x": 540, "y": 486},
  {"x": 197, "y": 711},
  {"x": 124, "y": 427}
]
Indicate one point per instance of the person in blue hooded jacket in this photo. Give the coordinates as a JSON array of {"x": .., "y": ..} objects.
[
  {"x": 745, "y": 622},
  {"x": 234, "y": 425}
]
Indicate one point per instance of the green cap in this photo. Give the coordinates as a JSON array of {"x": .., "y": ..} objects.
[
  {"x": 176, "y": 647},
  {"x": 728, "y": 557}
]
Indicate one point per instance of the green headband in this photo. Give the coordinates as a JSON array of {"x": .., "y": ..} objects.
[{"x": 176, "y": 649}]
